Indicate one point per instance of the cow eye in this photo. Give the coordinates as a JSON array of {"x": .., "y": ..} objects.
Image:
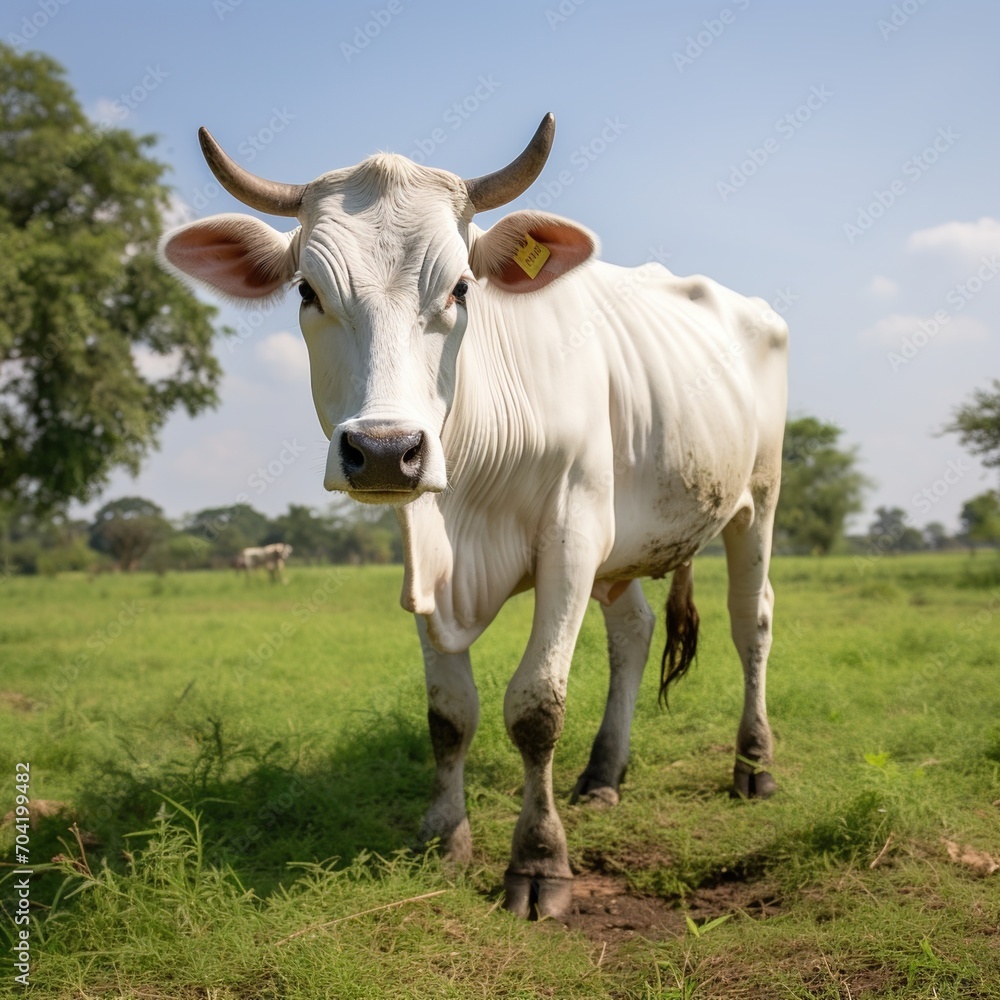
[
  {"x": 309, "y": 297},
  {"x": 460, "y": 291}
]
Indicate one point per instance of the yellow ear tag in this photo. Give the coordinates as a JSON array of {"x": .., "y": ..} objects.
[{"x": 532, "y": 256}]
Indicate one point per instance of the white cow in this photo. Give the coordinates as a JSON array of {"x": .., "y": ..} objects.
[
  {"x": 271, "y": 557},
  {"x": 539, "y": 420}
]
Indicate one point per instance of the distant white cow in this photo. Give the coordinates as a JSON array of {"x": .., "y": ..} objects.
[
  {"x": 539, "y": 420},
  {"x": 270, "y": 557}
]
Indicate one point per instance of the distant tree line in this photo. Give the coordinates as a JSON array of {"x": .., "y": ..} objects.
[
  {"x": 821, "y": 488},
  {"x": 133, "y": 533}
]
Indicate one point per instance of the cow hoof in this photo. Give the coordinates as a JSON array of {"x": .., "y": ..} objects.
[
  {"x": 532, "y": 897},
  {"x": 592, "y": 792},
  {"x": 601, "y": 797},
  {"x": 753, "y": 784},
  {"x": 456, "y": 846},
  {"x": 458, "y": 850}
]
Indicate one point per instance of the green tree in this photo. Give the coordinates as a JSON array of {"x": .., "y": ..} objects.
[
  {"x": 82, "y": 297},
  {"x": 977, "y": 424},
  {"x": 126, "y": 529},
  {"x": 889, "y": 532},
  {"x": 43, "y": 543},
  {"x": 980, "y": 518},
  {"x": 227, "y": 530},
  {"x": 364, "y": 533},
  {"x": 312, "y": 536},
  {"x": 936, "y": 535},
  {"x": 820, "y": 487}
]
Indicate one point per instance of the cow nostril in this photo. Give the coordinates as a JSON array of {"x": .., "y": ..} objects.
[
  {"x": 353, "y": 458},
  {"x": 413, "y": 455}
]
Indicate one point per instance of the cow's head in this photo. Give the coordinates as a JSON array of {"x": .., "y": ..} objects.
[{"x": 386, "y": 261}]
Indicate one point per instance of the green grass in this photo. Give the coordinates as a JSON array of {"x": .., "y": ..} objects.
[{"x": 248, "y": 762}]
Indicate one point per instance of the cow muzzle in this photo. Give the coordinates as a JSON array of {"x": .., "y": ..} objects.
[{"x": 384, "y": 463}]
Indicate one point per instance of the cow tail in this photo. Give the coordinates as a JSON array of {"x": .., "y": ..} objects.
[{"x": 682, "y": 630}]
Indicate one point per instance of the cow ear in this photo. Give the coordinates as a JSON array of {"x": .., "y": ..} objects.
[
  {"x": 525, "y": 251},
  {"x": 237, "y": 255}
]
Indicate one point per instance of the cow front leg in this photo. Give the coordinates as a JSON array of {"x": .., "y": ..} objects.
[
  {"x": 629, "y": 622},
  {"x": 452, "y": 716},
  {"x": 751, "y": 608},
  {"x": 539, "y": 881}
]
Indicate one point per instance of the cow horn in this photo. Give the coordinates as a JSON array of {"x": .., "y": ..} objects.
[
  {"x": 265, "y": 196},
  {"x": 503, "y": 186}
]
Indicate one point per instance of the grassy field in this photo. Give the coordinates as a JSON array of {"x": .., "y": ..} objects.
[{"x": 247, "y": 766}]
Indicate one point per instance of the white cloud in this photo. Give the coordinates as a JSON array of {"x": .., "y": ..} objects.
[
  {"x": 894, "y": 330},
  {"x": 107, "y": 112},
  {"x": 883, "y": 287},
  {"x": 177, "y": 212},
  {"x": 285, "y": 355},
  {"x": 970, "y": 240},
  {"x": 155, "y": 366}
]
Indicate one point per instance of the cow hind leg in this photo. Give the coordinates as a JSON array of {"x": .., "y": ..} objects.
[
  {"x": 751, "y": 605},
  {"x": 452, "y": 717},
  {"x": 629, "y": 622}
]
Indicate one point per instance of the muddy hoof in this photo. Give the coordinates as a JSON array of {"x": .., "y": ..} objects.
[
  {"x": 601, "y": 797},
  {"x": 532, "y": 897},
  {"x": 455, "y": 847},
  {"x": 592, "y": 792},
  {"x": 752, "y": 784}
]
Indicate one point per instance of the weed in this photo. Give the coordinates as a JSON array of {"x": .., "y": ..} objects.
[{"x": 683, "y": 983}]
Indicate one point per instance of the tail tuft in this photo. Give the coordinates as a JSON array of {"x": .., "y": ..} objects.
[{"x": 682, "y": 630}]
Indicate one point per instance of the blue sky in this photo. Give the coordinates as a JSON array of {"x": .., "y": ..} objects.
[{"x": 840, "y": 160}]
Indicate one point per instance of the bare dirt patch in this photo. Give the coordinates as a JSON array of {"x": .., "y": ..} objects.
[
  {"x": 40, "y": 809},
  {"x": 17, "y": 702},
  {"x": 607, "y": 909}
]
